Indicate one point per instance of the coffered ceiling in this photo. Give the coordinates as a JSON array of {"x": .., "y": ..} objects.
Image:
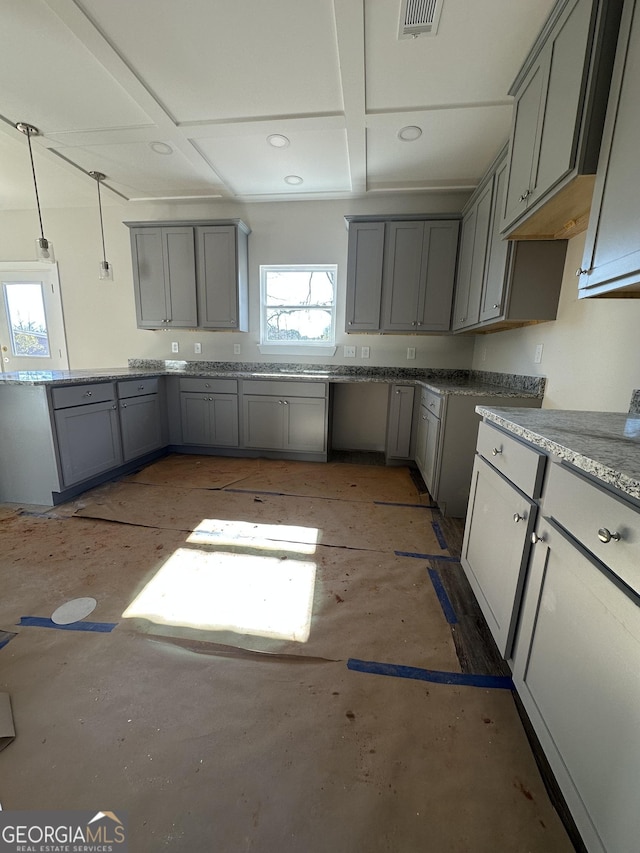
[{"x": 178, "y": 98}]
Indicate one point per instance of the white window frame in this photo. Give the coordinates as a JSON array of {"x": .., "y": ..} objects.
[{"x": 296, "y": 347}]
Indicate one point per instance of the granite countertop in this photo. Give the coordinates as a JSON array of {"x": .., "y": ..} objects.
[
  {"x": 605, "y": 445},
  {"x": 442, "y": 381}
]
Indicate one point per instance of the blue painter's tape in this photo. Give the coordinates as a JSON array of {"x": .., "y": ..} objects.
[
  {"x": 496, "y": 682},
  {"x": 255, "y": 492},
  {"x": 443, "y": 598},
  {"x": 40, "y": 622},
  {"x": 414, "y": 506},
  {"x": 442, "y": 542},
  {"x": 6, "y": 637},
  {"x": 417, "y": 556}
]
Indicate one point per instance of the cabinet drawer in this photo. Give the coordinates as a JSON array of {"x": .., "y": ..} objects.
[
  {"x": 587, "y": 512},
  {"x": 80, "y": 395},
  {"x": 209, "y": 385},
  {"x": 521, "y": 464},
  {"x": 284, "y": 388},
  {"x": 137, "y": 387},
  {"x": 432, "y": 401}
]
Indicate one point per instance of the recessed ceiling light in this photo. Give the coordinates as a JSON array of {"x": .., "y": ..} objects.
[
  {"x": 161, "y": 147},
  {"x": 278, "y": 140},
  {"x": 409, "y": 133},
  {"x": 294, "y": 180}
]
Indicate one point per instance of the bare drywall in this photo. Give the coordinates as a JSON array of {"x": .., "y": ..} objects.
[{"x": 591, "y": 352}]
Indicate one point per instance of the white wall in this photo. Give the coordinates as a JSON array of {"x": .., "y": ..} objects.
[
  {"x": 100, "y": 316},
  {"x": 591, "y": 352}
]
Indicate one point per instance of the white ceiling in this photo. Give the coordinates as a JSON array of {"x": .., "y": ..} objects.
[{"x": 212, "y": 79}]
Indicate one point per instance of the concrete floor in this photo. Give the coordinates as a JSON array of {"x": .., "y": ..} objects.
[{"x": 329, "y": 712}]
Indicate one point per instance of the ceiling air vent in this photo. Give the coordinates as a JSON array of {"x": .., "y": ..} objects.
[{"x": 419, "y": 18}]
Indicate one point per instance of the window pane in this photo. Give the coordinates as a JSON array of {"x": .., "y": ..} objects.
[
  {"x": 27, "y": 321},
  {"x": 299, "y": 287},
  {"x": 298, "y": 324}
]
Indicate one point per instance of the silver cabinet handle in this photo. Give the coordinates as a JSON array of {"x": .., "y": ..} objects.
[
  {"x": 419, "y": 322},
  {"x": 496, "y": 305},
  {"x": 124, "y": 405},
  {"x": 140, "y": 387},
  {"x": 351, "y": 322},
  {"x": 88, "y": 394},
  {"x": 285, "y": 402},
  {"x": 424, "y": 417},
  {"x": 525, "y": 195},
  {"x": 605, "y": 535},
  {"x": 114, "y": 406},
  {"x": 517, "y": 517},
  {"x": 535, "y": 538},
  {"x": 206, "y": 385},
  {"x": 496, "y": 452}
]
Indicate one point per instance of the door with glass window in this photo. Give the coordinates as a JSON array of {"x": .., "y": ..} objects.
[{"x": 31, "y": 321}]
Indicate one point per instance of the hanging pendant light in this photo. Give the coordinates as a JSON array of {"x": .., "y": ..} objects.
[
  {"x": 105, "y": 270},
  {"x": 44, "y": 247}
]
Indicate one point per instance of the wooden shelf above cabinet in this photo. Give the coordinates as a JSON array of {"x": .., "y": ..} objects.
[{"x": 563, "y": 216}]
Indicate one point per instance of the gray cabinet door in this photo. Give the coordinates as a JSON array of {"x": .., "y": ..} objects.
[
  {"x": 475, "y": 229},
  {"x": 218, "y": 277},
  {"x": 492, "y": 301},
  {"x": 305, "y": 424},
  {"x": 364, "y": 276},
  {"x": 431, "y": 457},
  {"x": 500, "y": 520},
  {"x": 209, "y": 419},
  {"x": 152, "y": 307},
  {"x": 437, "y": 275},
  {"x": 612, "y": 252},
  {"x": 576, "y": 671},
  {"x": 523, "y": 144},
  {"x": 263, "y": 422},
  {"x": 400, "y": 421},
  {"x": 164, "y": 276},
  {"x": 563, "y": 97},
  {"x": 180, "y": 276},
  {"x": 402, "y": 275},
  {"x": 421, "y": 439},
  {"x": 88, "y": 439},
  {"x": 141, "y": 425}
]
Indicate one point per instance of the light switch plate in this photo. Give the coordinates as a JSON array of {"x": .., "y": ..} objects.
[
  {"x": 537, "y": 358},
  {"x": 237, "y": 349},
  {"x": 411, "y": 353},
  {"x": 364, "y": 352},
  {"x": 174, "y": 346},
  {"x": 349, "y": 352},
  {"x": 197, "y": 349}
]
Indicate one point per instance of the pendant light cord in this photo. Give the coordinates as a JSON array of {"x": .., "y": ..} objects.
[
  {"x": 104, "y": 251},
  {"x": 35, "y": 183}
]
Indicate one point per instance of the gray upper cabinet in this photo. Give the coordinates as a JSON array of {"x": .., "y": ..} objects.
[
  {"x": 611, "y": 263},
  {"x": 364, "y": 276},
  {"x": 222, "y": 277},
  {"x": 503, "y": 283},
  {"x": 473, "y": 253},
  {"x": 164, "y": 275},
  {"x": 173, "y": 290},
  {"x": 560, "y": 101},
  {"x": 400, "y": 274}
]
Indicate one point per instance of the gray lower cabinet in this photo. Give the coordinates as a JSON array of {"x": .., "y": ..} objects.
[
  {"x": 428, "y": 456},
  {"x": 164, "y": 276},
  {"x": 291, "y": 417},
  {"x": 400, "y": 418},
  {"x": 142, "y": 417},
  {"x": 88, "y": 435},
  {"x": 209, "y": 412},
  {"x": 503, "y": 284},
  {"x": 401, "y": 274},
  {"x": 560, "y": 100},
  {"x": 611, "y": 262},
  {"x": 576, "y": 659}
]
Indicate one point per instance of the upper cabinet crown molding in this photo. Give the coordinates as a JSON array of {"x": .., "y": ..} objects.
[{"x": 560, "y": 95}]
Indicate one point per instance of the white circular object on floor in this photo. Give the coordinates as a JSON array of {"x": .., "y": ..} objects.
[{"x": 73, "y": 611}]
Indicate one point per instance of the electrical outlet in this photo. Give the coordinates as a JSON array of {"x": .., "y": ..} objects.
[
  {"x": 349, "y": 352},
  {"x": 483, "y": 357},
  {"x": 197, "y": 349},
  {"x": 537, "y": 358},
  {"x": 364, "y": 352},
  {"x": 411, "y": 353},
  {"x": 174, "y": 346},
  {"x": 237, "y": 349}
]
